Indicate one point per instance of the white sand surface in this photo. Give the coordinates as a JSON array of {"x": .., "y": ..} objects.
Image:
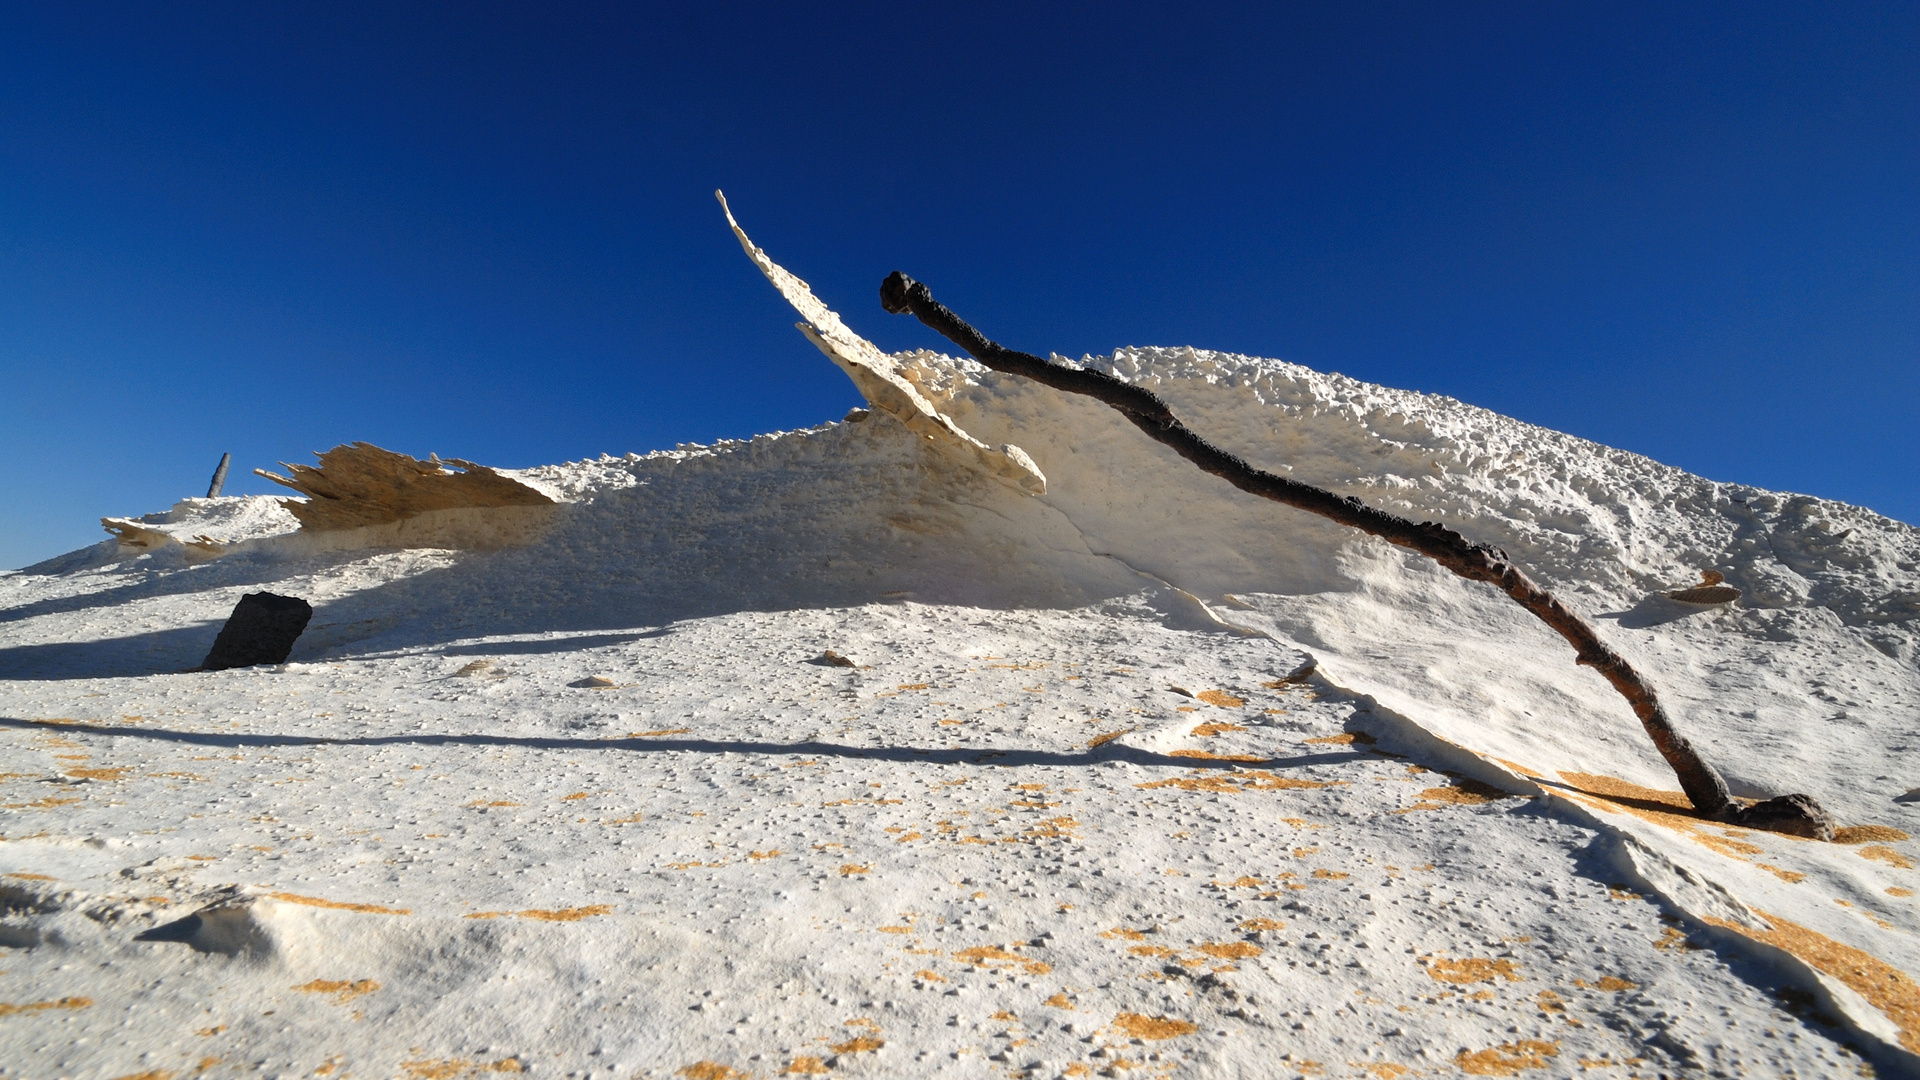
[{"x": 1066, "y": 816}]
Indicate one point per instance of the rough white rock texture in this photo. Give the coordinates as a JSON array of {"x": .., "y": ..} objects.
[{"x": 1065, "y": 818}]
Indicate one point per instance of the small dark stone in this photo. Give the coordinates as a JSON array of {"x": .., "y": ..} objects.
[
  {"x": 1794, "y": 815},
  {"x": 261, "y": 630},
  {"x": 831, "y": 659}
]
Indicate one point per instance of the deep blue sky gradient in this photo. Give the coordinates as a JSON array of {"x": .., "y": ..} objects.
[{"x": 487, "y": 230}]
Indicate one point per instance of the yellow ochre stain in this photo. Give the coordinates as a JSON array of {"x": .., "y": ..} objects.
[
  {"x": 1152, "y": 1027},
  {"x": 44, "y": 1006},
  {"x": 1507, "y": 1059},
  {"x": 1468, "y": 970},
  {"x": 342, "y": 989},
  {"x": 1885, "y": 987},
  {"x": 1231, "y": 783},
  {"x": 449, "y": 1068},
  {"x": 1886, "y": 855},
  {"x": 314, "y": 901},
  {"x": 546, "y": 915},
  {"x": 1861, "y": 834}
]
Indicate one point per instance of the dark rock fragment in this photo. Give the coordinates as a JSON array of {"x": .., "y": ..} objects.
[
  {"x": 261, "y": 630},
  {"x": 1794, "y": 815}
]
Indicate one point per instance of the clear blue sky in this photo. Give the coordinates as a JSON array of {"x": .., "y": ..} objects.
[{"x": 487, "y": 229}]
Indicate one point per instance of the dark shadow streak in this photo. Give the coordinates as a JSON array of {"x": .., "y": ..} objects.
[
  {"x": 947, "y": 756},
  {"x": 1653, "y": 610},
  {"x": 554, "y": 645}
]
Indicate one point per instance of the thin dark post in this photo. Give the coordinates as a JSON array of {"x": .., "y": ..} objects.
[
  {"x": 1798, "y": 814},
  {"x": 219, "y": 477}
]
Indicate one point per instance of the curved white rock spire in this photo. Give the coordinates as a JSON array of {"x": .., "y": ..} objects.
[{"x": 878, "y": 377}]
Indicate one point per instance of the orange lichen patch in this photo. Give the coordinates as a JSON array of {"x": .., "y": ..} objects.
[
  {"x": 1254, "y": 759},
  {"x": 1330, "y": 875},
  {"x": 1102, "y": 740},
  {"x": 575, "y": 795},
  {"x": 1895, "y": 890},
  {"x": 1551, "y": 1002},
  {"x": 770, "y": 853},
  {"x": 928, "y": 976},
  {"x": 1666, "y": 808},
  {"x": 1885, "y": 987},
  {"x": 710, "y": 1070},
  {"x": 1231, "y": 783},
  {"x": 1886, "y": 855},
  {"x": 44, "y": 1006},
  {"x": 496, "y": 802},
  {"x": 805, "y": 1066},
  {"x": 1221, "y": 699},
  {"x": 1230, "y": 950},
  {"x": 1343, "y": 739},
  {"x": 314, "y": 901},
  {"x": 1052, "y": 828},
  {"x": 565, "y": 914},
  {"x": 1240, "y": 883},
  {"x": 1857, "y": 834},
  {"x": 1058, "y": 1001},
  {"x": 1301, "y": 853},
  {"x": 1385, "y": 1070},
  {"x": 914, "y": 686},
  {"x": 1150, "y": 950},
  {"x": 1629, "y": 795},
  {"x": 678, "y": 731},
  {"x": 621, "y": 820},
  {"x": 985, "y": 956},
  {"x": 1262, "y": 924},
  {"x": 545, "y": 915},
  {"x": 859, "y": 1044},
  {"x": 694, "y": 864},
  {"x": 1461, "y": 792},
  {"x": 343, "y": 990},
  {"x": 850, "y": 869},
  {"x": 1124, "y": 933},
  {"x": 1152, "y": 1027},
  {"x": 1669, "y": 938},
  {"x": 894, "y": 929},
  {"x": 150, "y": 1074},
  {"x": 909, "y": 836},
  {"x": 1208, "y": 731},
  {"x": 1004, "y": 1015},
  {"x": 1609, "y": 983},
  {"x": 1789, "y": 876},
  {"x": 47, "y": 803},
  {"x": 1507, "y": 1059},
  {"x": 110, "y": 774},
  {"x": 450, "y": 1067},
  {"x": 1468, "y": 970},
  {"x": 32, "y": 877}
]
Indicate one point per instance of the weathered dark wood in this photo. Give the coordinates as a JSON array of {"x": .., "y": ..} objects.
[
  {"x": 900, "y": 294},
  {"x": 219, "y": 477}
]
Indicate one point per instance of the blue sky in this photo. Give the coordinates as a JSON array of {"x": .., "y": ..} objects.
[{"x": 487, "y": 230}]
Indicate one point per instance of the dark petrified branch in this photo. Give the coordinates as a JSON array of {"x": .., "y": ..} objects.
[{"x": 1799, "y": 814}]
